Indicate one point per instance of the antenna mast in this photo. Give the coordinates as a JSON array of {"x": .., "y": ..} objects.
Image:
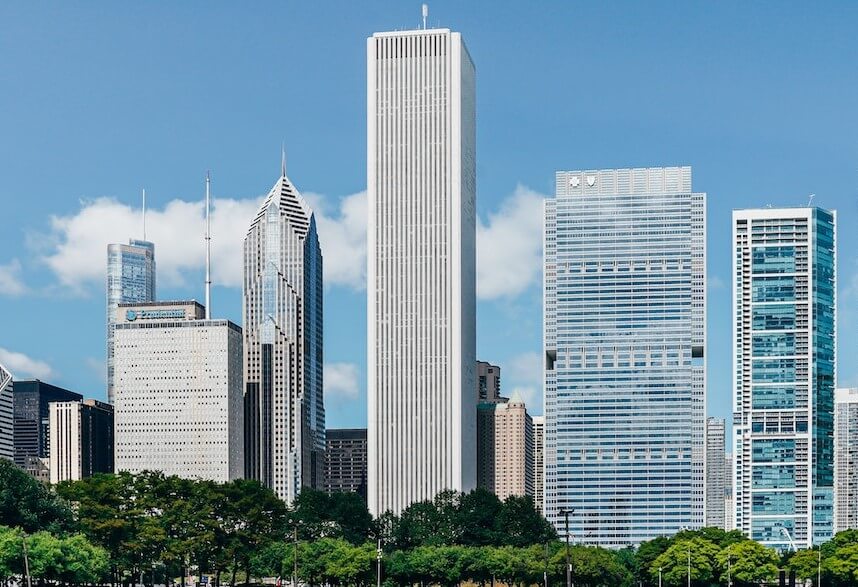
[
  {"x": 425, "y": 15},
  {"x": 144, "y": 214},
  {"x": 208, "y": 247}
]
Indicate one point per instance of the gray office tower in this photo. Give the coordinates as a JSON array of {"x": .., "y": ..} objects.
[
  {"x": 130, "y": 278},
  {"x": 31, "y": 413},
  {"x": 625, "y": 323},
  {"x": 345, "y": 461},
  {"x": 716, "y": 474},
  {"x": 284, "y": 406}
]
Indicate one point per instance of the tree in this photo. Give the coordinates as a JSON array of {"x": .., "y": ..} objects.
[
  {"x": 11, "y": 553},
  {"x": 646, "y": 554},
  {"x": 842, "y": 565},
  {"x": 521, "y": 524},
  {"x": 674, "y": 562},
  {"x": 805, "y": 563},
  {"x": 749, "y": 562},
  {"x": 28, "y": 504},
  {"x": 479, "y": 518},
  {"x": 82, "y": 562}
]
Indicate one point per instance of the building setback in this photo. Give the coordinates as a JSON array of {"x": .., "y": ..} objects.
[
  {"x": 505, "y": 448},
  {"x": 130, "y": 278},
  {"x": 783, "y": 375},
  {"x": 81, "y": 441},
  {"x": 539, "y": 461},
  {"x": 284, "y": 403},
  {"x": 178, "y": 404},
  {"x": 845, "y": 459},
  {"x": 488, "y": 383},
  {"x": 345, "y": 461},
  {"x": 421, "y": 328},
  {"x": 7, "y": 419},
  {"x": 31, "y": 422},
  {"x": 624, "y": 336},
  {"x": 716, "y": 480}
]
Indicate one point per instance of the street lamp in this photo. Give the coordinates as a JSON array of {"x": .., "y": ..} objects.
[
  {"x": 659, "y": 577},
  {"x": 378, "y": 554},
  {"x": 689, "y": 567},
  {"x": 729, "y": 570},
  {"x": 566, "y": 513},
  {"x": 295, "y": 557},
  {"x": 26, "y": 560},
  {"x": 819, "y": 567}
]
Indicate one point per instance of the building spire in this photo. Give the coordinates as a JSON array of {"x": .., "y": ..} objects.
[
  {"x": 144, "y": 214},
  {"x": 208, "y": 247},
  {"x": 283, "y": 159}
]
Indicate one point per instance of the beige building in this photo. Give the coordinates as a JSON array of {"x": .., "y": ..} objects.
[
  {"x": 81, "y": 442},
  {"x": 538, "y": 461},
  {"x": 505, "y": 448}
]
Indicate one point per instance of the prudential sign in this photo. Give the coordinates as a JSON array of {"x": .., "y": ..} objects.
[{"x": 132, "y": 315}]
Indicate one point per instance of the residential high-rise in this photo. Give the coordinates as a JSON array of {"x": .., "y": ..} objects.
[
  {"x": 284, "y": 405},
  {"x": 345, "y": 461},
  {"x": 178, "y": 406},
  {"x": 624, "y": 336},
  {"x": 421, "y": 278},
  {"x": 538, "y": 461},
  {"x": 81, "y": 442},
  {"x": 488, "y": 383},
  {"x": 729, "y": 508},
  {"x": 845, "y": 459},
  {"x": 505, "y": 448},
  {"x": 7, "y": 419},
  {"x": 716, "y": 481},
  {"x": 130, "y": 278},
  {"x": 31, "y": 421},
  {"x": 783, "y": 374}
]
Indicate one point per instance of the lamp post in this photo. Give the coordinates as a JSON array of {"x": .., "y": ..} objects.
[
  {"x": 689, "y": 567},
  {"x": 659, "y": 577},
  {"x": 26, "y": 560},
  {"x": 566, "y": 513},
  {"x": 819, "y": 567},
  {"x": 295, "y": 557},
  {"x": 378, "y": 554},
  {"x": 729, "y": 570}
]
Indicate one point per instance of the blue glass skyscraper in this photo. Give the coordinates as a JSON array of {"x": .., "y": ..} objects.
[
  {"x": 130, "y": 278},
  {"x": 624, "y": 336},
  {"x": 784, "y": 374}
]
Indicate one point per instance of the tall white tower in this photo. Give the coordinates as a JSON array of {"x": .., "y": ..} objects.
[{"x": 421, "y": 150}]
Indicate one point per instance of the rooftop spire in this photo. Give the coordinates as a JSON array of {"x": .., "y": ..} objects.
[
  {"x": 208, "y": 247},
  {"x": 144, "y": 214},
  {"x": 283, "y": 159}
]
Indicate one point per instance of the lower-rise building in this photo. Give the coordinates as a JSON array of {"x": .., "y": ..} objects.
[
  {"x": 81, "y": 441},
  {"x": 716, "y": 479},
  {"x": 32, "y": 430},
  {"x": 538, "y": 461},
  {"x": 846, "y": 459},
  {"x": 505, "y": 448},
  {"x": 7, "y": 422},
  {"x": 178, "y": 392},
  {"x": 345, "y": 461}
]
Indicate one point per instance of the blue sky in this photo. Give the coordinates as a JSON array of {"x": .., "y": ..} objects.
[{"x": 101, "y": 99}]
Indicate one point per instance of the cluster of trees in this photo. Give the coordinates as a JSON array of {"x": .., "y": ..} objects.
[{"x": 150, "y": 528}]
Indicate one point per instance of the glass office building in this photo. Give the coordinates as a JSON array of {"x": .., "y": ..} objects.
[
  {"x": 624, "y": 336},
  {"x": 784, "y": 373},
  {"x": 130, "y": 279}
]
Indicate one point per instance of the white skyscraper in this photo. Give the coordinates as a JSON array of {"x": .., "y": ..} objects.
[
  {"x": 285, "y": 411},
  {"x": 421, "y": 266},
  {"x": 7, "y": 422},
  {"x": 81, "y": 442},
  {"x": 178, "y": 406},
  {"x": 784, "y": 368},
  {"x": 845, "y": 459}
]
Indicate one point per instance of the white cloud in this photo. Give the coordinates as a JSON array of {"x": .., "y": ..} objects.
[
  {"x": 98, "y": 367},
  {"x": 341, "y": 380},
  {"x": 78, "y": 252},
  {"x": 523, "y": 374},
  {"x": 10, "y": 279},
  {"x": 509, "y": 246},
  {"x": 21, "y": 366},
  {"x": 342, "y": 236},
  {"x": 714, "y": 282},
  {"x": 530, "y": 395}
]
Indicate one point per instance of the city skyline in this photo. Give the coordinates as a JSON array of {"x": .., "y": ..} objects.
[{"x": 55, "y": 274}]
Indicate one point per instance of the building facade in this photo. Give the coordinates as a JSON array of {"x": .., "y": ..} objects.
[
  {"x": 729, "y": 508},
  {"x": 32, "y": 431},
  {"x": 346, "y": 461},
  {"x": 784, "y": 371},
  {"x": 284, "y": 404},
  {"x": 488, "y": 383},
  {"x": 716, "y": 474},
  {"x": 81, "y": 442},
  {"x": 7, "y": 418},
  {"x": 846, "y": 459},
  {"x": 538, "y": 461},
  {"x": 505, "y": 462},
  {"x": 130, "y": 278},
  {"x": 178, "y": 404},
  {"x": 421, "y": 278},
  {"x": 624, "y": 336}
]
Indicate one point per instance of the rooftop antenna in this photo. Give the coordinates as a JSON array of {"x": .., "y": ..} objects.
[
  {"x": 283, "y": 159},
  {"x": 425, "y": 15},
  {"x": 208, "y": 247},
  {"x": 810, "y": 200},
  {"x": 144, "y": 214}
]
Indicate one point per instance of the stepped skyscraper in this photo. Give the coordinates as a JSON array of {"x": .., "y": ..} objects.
[
  {"x": 421, "y": 185},
  {"x": 784, "y": 292},
  {"x": 624, "y": 332},
  {"x": 284, "y": 409}
]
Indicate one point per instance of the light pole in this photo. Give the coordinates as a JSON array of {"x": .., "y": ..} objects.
[
  {"x": 566, "y": 513},
  {"x": 819, "y": 567},
  {"x": 689, "y": 567},
  {"x": 378, "y": 554},
  {"x": 295, "y": 557},
  {"x": 729, "y": 570},
  {"x": 26, "y": 560},
  {"x": 659, "y": 577}
]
